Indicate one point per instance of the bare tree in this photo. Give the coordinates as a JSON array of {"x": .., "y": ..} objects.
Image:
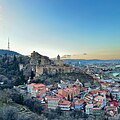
[{"x": 9, "y": 113}]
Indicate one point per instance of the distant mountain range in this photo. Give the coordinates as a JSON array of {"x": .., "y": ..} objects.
[
  {"x": 8, "y": 52},
  {"x": 83, "y": 61}
]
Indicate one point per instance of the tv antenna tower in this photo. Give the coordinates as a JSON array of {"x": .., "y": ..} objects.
[{"x": 8, "y": 44}]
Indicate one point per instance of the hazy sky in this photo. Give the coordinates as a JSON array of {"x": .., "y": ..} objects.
[{"x": 54, "y": 27}]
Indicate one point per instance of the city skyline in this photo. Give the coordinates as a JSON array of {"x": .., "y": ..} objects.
[{"x": 85, "y": 29}]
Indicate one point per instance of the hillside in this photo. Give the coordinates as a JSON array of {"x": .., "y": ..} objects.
[{"x": 8, "y": 52}]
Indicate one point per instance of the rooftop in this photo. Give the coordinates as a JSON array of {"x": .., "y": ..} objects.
[
  {"x": 36, "y": 85},
  {"x": 79, "y": 102},
  {"x": 64, "y": 102}
]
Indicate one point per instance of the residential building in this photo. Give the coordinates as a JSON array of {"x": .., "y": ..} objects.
[
  {"x": 70, "y": 92},
  {"x": 88, "y": 108},
  {"x": 64, "y": 105},
  {"x": 80, "y": 104},
  {"x": 52, "y": 102},
  {"x": 37, "y": 90}
]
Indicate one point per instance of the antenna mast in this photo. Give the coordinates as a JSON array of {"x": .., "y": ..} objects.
[{"x": 8, "y": 44}]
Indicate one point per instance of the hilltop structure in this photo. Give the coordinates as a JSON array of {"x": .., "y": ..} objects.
[
  {"x": 59, "y": 62},
  {"x": 42, "y": 64}
]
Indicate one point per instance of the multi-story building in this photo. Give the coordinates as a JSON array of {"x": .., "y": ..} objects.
[
  {"x": 80, "y": 104},
  {"x": 37, "y": 90},
  {"x": 88, "y": 108},
  {"x": 70, "y": 92},
  {"x": 52, "y": 102},
  {"x": 64, "y": 105}
]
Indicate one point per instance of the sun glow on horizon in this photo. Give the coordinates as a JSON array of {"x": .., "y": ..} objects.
[{"x": 62, "y": 27}]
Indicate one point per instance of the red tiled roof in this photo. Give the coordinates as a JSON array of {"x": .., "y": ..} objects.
[
  {"x": 106, "y": 90},
  {"x": 96, "y": 91},
  {"x": 79, "y": 102},
  {"x": 105, "y": 83},
  {"x": 89, "y": 105},
  {"x": 40, "y": 85},
  {"x": 32, "y": 84},
  {"x": 64, "y": 102},
  {"x": 36, "y": 85},
  {"x": 52, "y": 98},
  {"x": 96, "y": 108},
  {"x": 114, "y": 102},
  {"x": 40, "y": 98},
  {"x": 83, "y": 89},
  {"x": 58, "y": 95}
]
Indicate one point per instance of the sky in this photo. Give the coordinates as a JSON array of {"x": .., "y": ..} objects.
[{"x": 85, "y": 29}]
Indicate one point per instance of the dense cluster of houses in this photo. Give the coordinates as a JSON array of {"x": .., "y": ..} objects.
[{"x": 90, "y": 99}]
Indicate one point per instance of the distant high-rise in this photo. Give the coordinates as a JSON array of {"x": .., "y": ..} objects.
[{"x": 8, "y": 44}]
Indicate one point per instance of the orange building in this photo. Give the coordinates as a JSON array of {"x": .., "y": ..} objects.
[{"x": 70, "y": 92}]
